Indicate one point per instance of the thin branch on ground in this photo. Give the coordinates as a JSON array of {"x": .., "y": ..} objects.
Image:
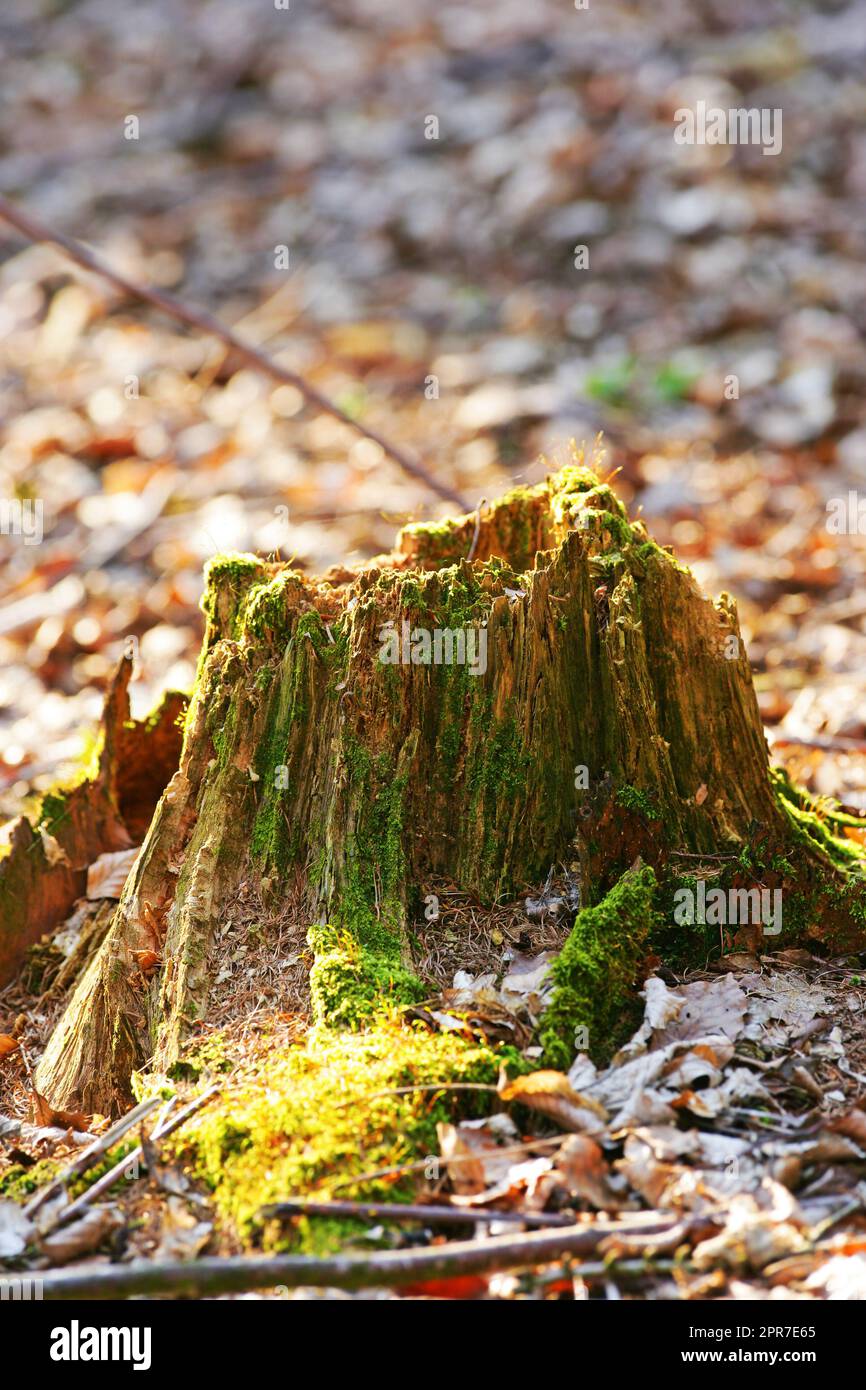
[
  {"x": 90, "y": 1156},
  {"x": 434, "y": 1214},
  {"x": 419, "y": 1165},
  {"x": 167, "y": 1125},
  {"x": 389, "y": 1269},
  {"x": 204, "y": 322},
  {"x": 421, "y": 1087}
]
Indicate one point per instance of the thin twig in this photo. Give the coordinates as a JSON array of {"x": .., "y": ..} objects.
[
  {"x": 107, "y": 1180},
  {"x": 427, "y": 1086},
  {"x": 839, "y": 744},
  {"x": 166, "y": 1124},
  {"x": 91, "y": 1155},
  {"x": 203, "y": 322},
  {"x": 434, "y": 1215},
  {"x": 474, "y": 546},
  {"x": 382, "y": 1270},
  {"x": 419, "y": 1165},
  {"x": 611, "y": 1269}
]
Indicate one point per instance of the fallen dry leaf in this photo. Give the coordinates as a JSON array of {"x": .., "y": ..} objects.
[
  {"x": 551, "y": 1093},
  {"x": 15, "y": 1230},
  {"x": 759, "y": 1230},
  {"x": 852, "y": 1125},
  {"x": 471, "y": 1152},
  {"x": 44, "y": 1114},
  {"x": 705, "y": 1008},
  {"x": 842, "y": 1278},
  {"x": 107, "y": 874},
  {"x": 8, "y": 1044},
  {"x": 81, "y": 1236},
  {"x": 581, "y": 1169}
]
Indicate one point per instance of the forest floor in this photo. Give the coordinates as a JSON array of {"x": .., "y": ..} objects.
[
  {"x": 732, "y": 1125},
  {"x": 454, "y": 259}
]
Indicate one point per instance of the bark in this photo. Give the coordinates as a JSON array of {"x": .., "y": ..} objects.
[
  {"x": 312, "y": 766},
  {"x": 46, "y": 867}
]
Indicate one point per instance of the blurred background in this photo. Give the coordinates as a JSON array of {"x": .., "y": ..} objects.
[{"x": 428, "y": 171}]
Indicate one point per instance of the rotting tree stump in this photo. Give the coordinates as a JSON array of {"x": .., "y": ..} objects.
[
  {"x": 565, "y": 694},
  {"x": 45, "y": 869}
]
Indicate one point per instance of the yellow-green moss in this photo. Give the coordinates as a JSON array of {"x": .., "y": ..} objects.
[
  {"x": 310, "y": 1119},
  {"x": 814, "y": 829},
  {"x": 18, "y": 1183},
  {"x": 350, "y": 982}
]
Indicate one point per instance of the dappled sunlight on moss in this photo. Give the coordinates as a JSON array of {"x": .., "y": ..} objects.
[{"x": 310, "y": 1118}]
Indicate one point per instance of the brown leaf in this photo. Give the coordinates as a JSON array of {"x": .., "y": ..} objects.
[
  {"x": 471, "y": 1150},
  {"x": 81, "y": 1237},
  {"x": 7, "y": 1045},
  {"x": 107, "y": 874},
  {"x": 581, "y": 1166},
  {"x": 146, "y": 960},
  {"x": 852, "y": 1125},
  {"x": 49, "y": 1118},
  {"x": 551, "y": 1093},
  {"x": 701, "y": 794}
]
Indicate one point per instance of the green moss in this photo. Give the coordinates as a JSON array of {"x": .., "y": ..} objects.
[
  {"x": 814, "y": 829},
  {"x": 201, "y": 1058},
  {"x": 18, "y": 1183},
  {"x": 311, "y": 1119},
  {"x": 267, "y": 610},
  {"x": 437, "y": 543},
  {"x": 596, "y": 971},
  {"x": 684, "y": 945},
  {"x": 634, "y": 799},
  {"x": 227, "y": 580},
  {"x": 351, "y": 982},
  {"x": 359, "y": 968},
  {"x": 232, "y": 567}
]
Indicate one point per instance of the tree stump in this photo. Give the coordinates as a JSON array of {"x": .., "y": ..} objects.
[{"x": 505, "y": 691}]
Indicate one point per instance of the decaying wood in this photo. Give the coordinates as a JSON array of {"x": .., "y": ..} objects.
[
  {"x": 45, "y": 870},
  {"x": 315, "y": 761}
]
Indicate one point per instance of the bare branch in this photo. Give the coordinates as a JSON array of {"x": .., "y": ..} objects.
[
  {"x": 387, "y": 1270},
  {"x": 203, "y": 322}
]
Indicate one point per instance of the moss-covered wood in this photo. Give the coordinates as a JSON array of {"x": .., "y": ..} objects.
[{"x": 603, "y": 710}]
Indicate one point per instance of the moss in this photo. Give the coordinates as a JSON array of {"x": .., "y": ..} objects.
[
  {"x": 18, "y": 1183},
  {"x": 312, "y": 1119},
  {"x": 634, "y": 799},
  {"x": 350, "y": 982},
  {"x": 684, "y": 945},
  {"x": 231, "y": 568},
  {"x": 437, "y": 543},
  {"x": 816, "y": 827},
  {"x": 267, "y": 610},
  {"x": 595, "y": 973},
  {"x": 201, "y": 1058},
  {"x": 371, "y": 897},
  {"x": 227, "y": 579},
  {"x": 359, "y": 968}
]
